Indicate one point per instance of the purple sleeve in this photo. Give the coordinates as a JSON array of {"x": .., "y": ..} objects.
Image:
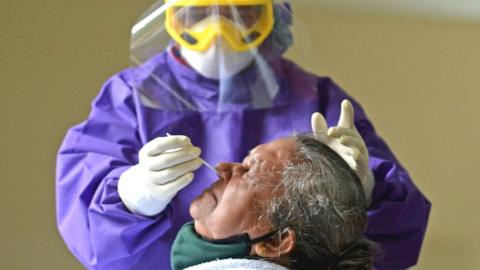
[
  {"x": 91, "y": 218},
  {"x": 399, "y": 212}
]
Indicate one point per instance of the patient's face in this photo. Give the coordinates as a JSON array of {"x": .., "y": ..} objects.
[{"x": 233, "y": 205}]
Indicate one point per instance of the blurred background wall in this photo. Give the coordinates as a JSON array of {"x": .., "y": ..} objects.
[{"x": 417, "y": 76}]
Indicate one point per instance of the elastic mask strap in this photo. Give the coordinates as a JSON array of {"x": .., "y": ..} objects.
[
  {"x": 242, "y": 237},
  {"x": 262, "y": 238},
  {"x": 230, "y": 240}
]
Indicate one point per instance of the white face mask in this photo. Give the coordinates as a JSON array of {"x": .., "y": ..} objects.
[{"x": 219, "y": 61}]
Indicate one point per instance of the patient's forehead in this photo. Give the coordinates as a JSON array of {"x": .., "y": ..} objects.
[{"x": 278, "y": 152}]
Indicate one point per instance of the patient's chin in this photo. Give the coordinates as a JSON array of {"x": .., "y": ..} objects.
[{"x": 201, "y": 209}]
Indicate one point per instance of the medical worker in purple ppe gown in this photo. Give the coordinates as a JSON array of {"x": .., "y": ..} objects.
[{"x": 211, "y": 73}]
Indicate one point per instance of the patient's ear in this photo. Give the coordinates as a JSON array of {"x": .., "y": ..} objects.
[{"x": 278, "y": 246}]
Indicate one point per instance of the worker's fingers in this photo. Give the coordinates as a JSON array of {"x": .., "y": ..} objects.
[
  {"x": 169, "y": 159},
  {"x": 347, "y": 115},
  {"x": 347, "y": 156},
  {"x": 170, "y": 174},
  {"x": 355, "y": 144},
  {"x": 319, "y": 125},
  {"x": 162, "y": 144},
  {"x": 355, "y": 154},
  {"x": 169, "y": 190},
  {"x": 337, "y": 132}
]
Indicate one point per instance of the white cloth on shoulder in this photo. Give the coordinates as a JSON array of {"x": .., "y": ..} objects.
[{"x": 237, "y": 264}]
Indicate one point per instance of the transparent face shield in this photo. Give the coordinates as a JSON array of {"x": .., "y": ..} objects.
[{"x": 210, "y": 55}]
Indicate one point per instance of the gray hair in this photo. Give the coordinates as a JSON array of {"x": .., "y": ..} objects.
[{"x": 323, "y": 202}]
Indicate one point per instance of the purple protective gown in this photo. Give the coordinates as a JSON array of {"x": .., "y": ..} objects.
[{"x": 103, "y": 234}]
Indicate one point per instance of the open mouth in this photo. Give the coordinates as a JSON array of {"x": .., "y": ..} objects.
[{"x": 209, "y": 192}]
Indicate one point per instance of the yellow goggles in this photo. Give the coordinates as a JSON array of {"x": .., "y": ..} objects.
[{"x": 196, "y": 24}]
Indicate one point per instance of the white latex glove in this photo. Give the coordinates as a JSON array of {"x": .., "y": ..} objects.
[
  {"x": 166, "y": 166},
  {"x": 348, "y": 143}
]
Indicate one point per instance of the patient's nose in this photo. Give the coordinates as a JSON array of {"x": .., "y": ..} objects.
[
  {"x": 228, "y": 170},
  {"x": 239, "y": 169},
  {"x": 225, "y": 170}
]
